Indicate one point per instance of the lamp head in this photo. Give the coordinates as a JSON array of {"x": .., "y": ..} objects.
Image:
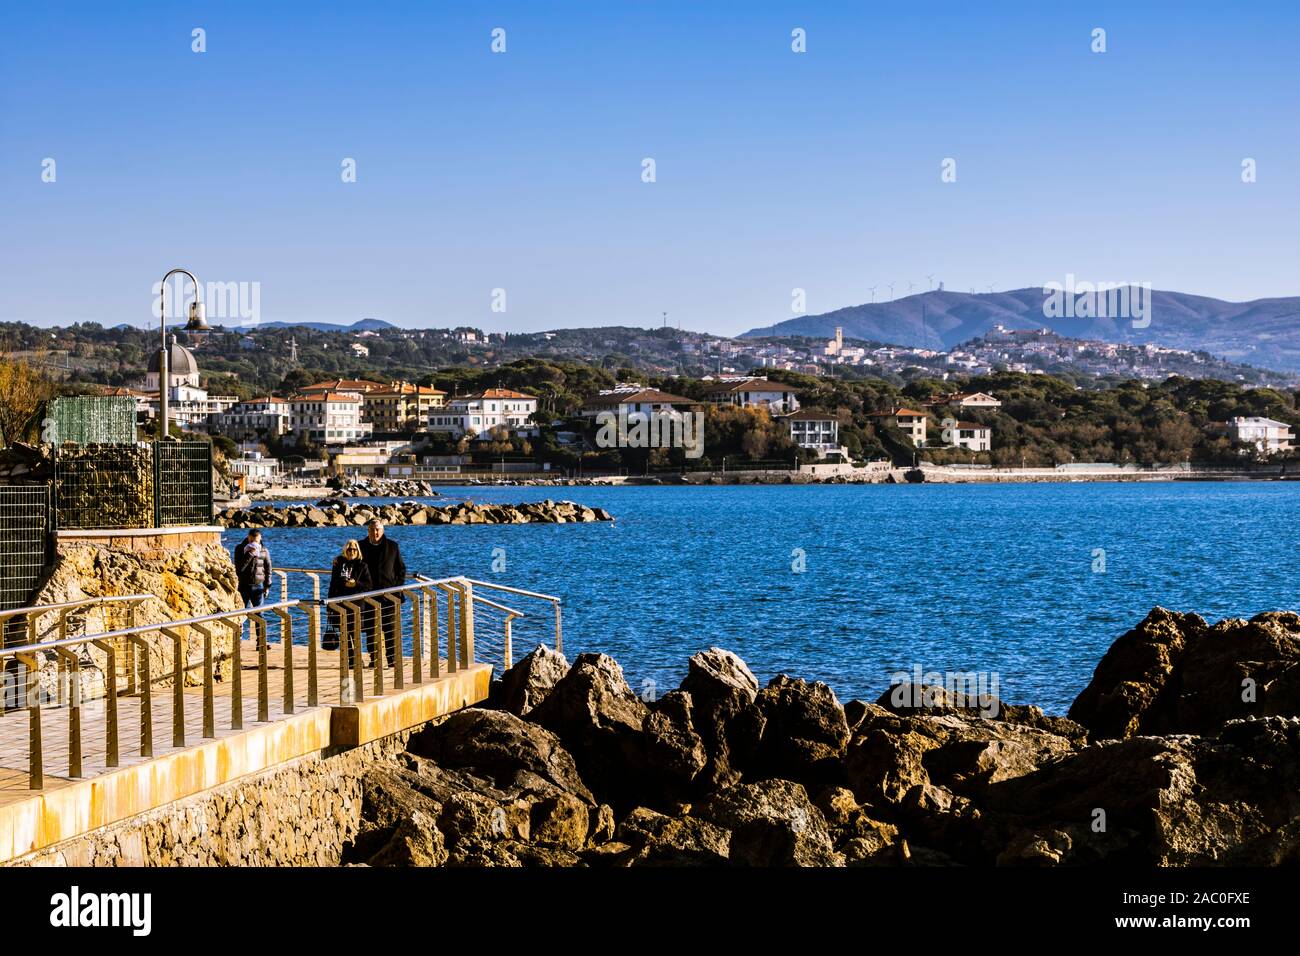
[{"x": 198, "y": 319}]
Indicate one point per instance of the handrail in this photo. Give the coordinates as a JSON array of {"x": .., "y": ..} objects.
[
  {"x": 554, "y": 601},
  {"x": 43, "y": 609}
]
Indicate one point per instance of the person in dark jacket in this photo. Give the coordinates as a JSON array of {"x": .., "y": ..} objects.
[
  {"x": 387, "y": 570},
  {"x": 349, "y": 575},
  {"x": 252, "y": 568}
]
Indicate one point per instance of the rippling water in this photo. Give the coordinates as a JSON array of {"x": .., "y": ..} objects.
[{"x": 945, "y": 577}]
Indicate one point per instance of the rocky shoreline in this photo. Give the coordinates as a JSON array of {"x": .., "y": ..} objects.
[
  {"x": 1183, "y": 750},
  {"x": 337, "y": 513}
]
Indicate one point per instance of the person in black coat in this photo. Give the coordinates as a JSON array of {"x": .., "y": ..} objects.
[
  {"x": 387, "y": 570},
  {"x": 349, "y": 575}
]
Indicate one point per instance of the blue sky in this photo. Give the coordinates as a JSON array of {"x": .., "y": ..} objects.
[{"x": 522, "y": 170}]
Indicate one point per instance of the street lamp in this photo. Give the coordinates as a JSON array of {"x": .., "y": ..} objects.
[{"x": 197, "y": 323}]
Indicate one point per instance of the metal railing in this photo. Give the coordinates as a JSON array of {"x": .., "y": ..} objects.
[
  {"x": 418, "y": 632},
  {"x": 137, "y": 641}
]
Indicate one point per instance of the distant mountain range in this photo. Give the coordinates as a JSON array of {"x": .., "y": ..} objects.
[
  {"x": 1264, "y": 332},
  {"x": 361, "y": 325}
]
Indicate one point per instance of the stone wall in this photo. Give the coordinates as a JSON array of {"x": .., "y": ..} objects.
[{"x": 299, "y": 813}]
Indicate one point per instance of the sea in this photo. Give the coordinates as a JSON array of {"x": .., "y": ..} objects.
[{"x": 1024, "y": 585}]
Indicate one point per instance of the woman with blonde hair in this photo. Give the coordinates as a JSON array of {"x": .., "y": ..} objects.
[{"x": 350, "y": 575}]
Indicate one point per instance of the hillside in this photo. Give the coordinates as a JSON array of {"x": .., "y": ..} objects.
[{"x": 1263, "y": 332}]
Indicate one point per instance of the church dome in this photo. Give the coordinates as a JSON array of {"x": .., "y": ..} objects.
[{"x": 180, "y": 360}]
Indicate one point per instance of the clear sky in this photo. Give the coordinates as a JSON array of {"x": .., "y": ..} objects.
[{"x": 522, "y": 170}]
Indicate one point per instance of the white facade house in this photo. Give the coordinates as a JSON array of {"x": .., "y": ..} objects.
[
  {"x": 972, "y": 400},
  {"x": 328, "y": 418},
  {"x": 1268, "y": 435},
  {"x": 814, "y": 429},
  {"x": 972, "y": 436},
  {"x": 634, "y": 400},
  {"x": 266, "y": 417},
  {"x": 483, "y": 412},
  {"x": 753, "y": 393},
  {"x": 255, "y": 468}
]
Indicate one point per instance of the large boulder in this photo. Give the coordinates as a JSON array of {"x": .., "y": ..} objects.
[
  {"x": 1174, "y": 674},
  {"x": 804, "y": 732},
  {"x": 723, "y": 691},
  {"x": 660, "y": 840},
  {"x": 599, "y": 719},
  {"x": 526, "y": 684},
  {"x": 1233, "y": 799},
  {"x": 520, "y": 758},
  {"x": 772, "y": 823},
  {"x": 674, "y": 752}
]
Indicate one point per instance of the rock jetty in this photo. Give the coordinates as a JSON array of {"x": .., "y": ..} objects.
[
  {"x": 385, "y": 488},
  {"x": 567, "y": 766},
  {"x": 336, "y": 513}
]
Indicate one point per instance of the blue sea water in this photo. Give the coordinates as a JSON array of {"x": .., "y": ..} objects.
[{"x": 992, "y": 579}]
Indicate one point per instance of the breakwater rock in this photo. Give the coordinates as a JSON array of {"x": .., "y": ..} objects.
[
  {"x": 567, "y": 766},
  {"x": 385, "y": 488},
  {"x": 335, "y": 513}
]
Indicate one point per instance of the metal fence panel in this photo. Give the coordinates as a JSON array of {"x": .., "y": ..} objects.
[
  {"x": 24, "y": 538},
  {"x": 90, "y": 420},
  {"x": 104, "y": 486},
  {"x": 183, "y": 478}
]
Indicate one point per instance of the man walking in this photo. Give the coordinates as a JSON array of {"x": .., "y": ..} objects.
[
  {"x": 387, "y": 570},
  {"x": 252, "y": 568}
]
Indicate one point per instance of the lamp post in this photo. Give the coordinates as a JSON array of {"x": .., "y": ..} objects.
[{"x": 197, "y": 323}]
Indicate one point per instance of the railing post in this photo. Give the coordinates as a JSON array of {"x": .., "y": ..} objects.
[
  {"x": 466, "y": 623},
  {"x": 35, "y": 751},
  {"x": 257, "y": 624},
  {"x": 146, "y": 698},
  {"x": 417, "y": 637},
  {"x": 178, "y": 687},
  {"x": 73, "y": 700},
  {"x": 110, "y": 704},
  {"x": 286, "y": 638},
  {"x": 435, "y": 665},
  {"x": 559, "y": 633},
  {"x": 451, "y": 593},
  {"x": 399, "y": 670},
  {"x": 209, "y": 718},
  {"x": 313, "y": 639},
  {"x": 347, "y": 692},
  {"x": 237, "y": 677},
  {"x": 377, "y": 641}
]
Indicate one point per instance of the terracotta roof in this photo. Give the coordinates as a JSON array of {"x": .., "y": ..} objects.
[
  {"x": 345, "y": 385},
  {"x": 897, "y": 412},
  {"x": 492, "y": 393},
  {"x": 406, "y": 388},
  {"x": 312, "y": 396},
  {"x": 750, "y": 385},
  {"x": 810, "y": 415},
  {"x": 972, "y": 425},
  {"x": 640, "y": 396}
]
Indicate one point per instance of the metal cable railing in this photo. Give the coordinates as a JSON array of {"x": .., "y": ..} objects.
[{"x": 417, "y": 632}]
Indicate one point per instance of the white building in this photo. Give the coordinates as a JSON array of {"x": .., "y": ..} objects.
[
  {"x": 1267, "y": 435},
  {"x": 634, "y": 400},
  {"x": 266, "y": 417},
  {"x": 814, "y": 429},
  {"x": 909, "y": 421},
  {"x": 483, "y": 412},
  {"x": 973, "y": 436},
  {"x": 753, "y": 393},
  {"x": 255, "y": 468},
  {"x": 971, "y": 400},
  {"x": 328, "y": 418}
]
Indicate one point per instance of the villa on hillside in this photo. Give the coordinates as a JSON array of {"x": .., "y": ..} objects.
[
  {"x": 909, "y": 421},
  {"x": 634, "y": 399},
  {"x": 968, "y": 400},
  {"x": 483, "y": 412},
  {"x": 815, "y": 429},
  {"x": 753, "y": 393},
  {"x": 267, "y": 417},
  {"x": 1268, "y": 435},
  {"x": 973, "y": 436}
]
